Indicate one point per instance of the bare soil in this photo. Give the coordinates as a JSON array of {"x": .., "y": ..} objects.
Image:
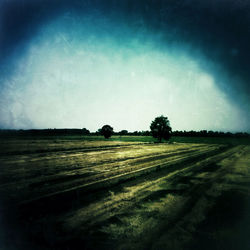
[{"x": 113, "y": 195}]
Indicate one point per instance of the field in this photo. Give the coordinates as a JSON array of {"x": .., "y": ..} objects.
[{"x": 124, "y": 193}]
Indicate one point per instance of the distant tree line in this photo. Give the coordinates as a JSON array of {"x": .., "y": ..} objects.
[
  {"x": 126, "y": 132},
  {"x": 202, "y": 133},
  {"x": 84, "y": 131},
  {"x": 46, "y": 132},
  {"x": 205, "y": 133}
]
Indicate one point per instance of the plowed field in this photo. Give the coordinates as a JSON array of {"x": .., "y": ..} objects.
[{"x": 121, "y": 195}]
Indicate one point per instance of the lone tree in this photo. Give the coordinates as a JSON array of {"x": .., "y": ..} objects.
[
  {"x": 106, "y": 131},
  {"x": 160, "y": 128}
]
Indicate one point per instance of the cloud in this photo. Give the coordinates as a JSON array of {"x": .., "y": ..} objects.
[
  {"x": 214, "y": 35},
  {"x": 81, "y": 77}
]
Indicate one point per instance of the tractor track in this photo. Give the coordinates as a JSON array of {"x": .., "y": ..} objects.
[
  {"x": 101, "y": 182},
  {"x": 131, "y": 197}
]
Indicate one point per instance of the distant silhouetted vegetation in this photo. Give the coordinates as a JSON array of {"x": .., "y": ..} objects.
[
  {"x": 123, "y": 132},
  {"x": 86, "y": 132},
  {"x": 205, "y": 133},
  {"x": 46, "y": 132}
]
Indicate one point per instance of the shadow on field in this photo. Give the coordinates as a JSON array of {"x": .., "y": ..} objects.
[{"x": 227, "y": 225}]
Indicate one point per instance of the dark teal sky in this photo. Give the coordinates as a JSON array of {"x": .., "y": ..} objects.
[{"x": 88, "y": 63}]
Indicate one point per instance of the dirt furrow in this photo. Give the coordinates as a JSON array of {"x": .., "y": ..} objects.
[
  {"x": 117, "y": 205},
  {"x": 146, "y": 184},
  {"x": 133, "y": 197},
  {"x": 87, "y": 174},
  {"x": 44, "y": 150},
  {"x": 79, "y": 192}
]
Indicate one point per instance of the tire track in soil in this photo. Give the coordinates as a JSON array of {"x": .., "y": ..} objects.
[
  {"x": 32, "y": 171},
  {"x": 29, "y": 184},
  {"x": 67, "y": 150},
  {"x": 106, "y": 207},
  {"x": 76, "y": 191},
  {"x": 111, "y": 208},
  {"x": 118, "y": 209}
]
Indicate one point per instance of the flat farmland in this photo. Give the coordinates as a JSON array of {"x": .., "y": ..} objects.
[{"x": 83, "y": 194}]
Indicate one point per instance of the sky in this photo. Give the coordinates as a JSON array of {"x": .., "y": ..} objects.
[{"x": 75, "y": 64}]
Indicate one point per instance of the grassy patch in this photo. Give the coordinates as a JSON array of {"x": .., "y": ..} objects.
[{"x": 132, "y": 138}]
